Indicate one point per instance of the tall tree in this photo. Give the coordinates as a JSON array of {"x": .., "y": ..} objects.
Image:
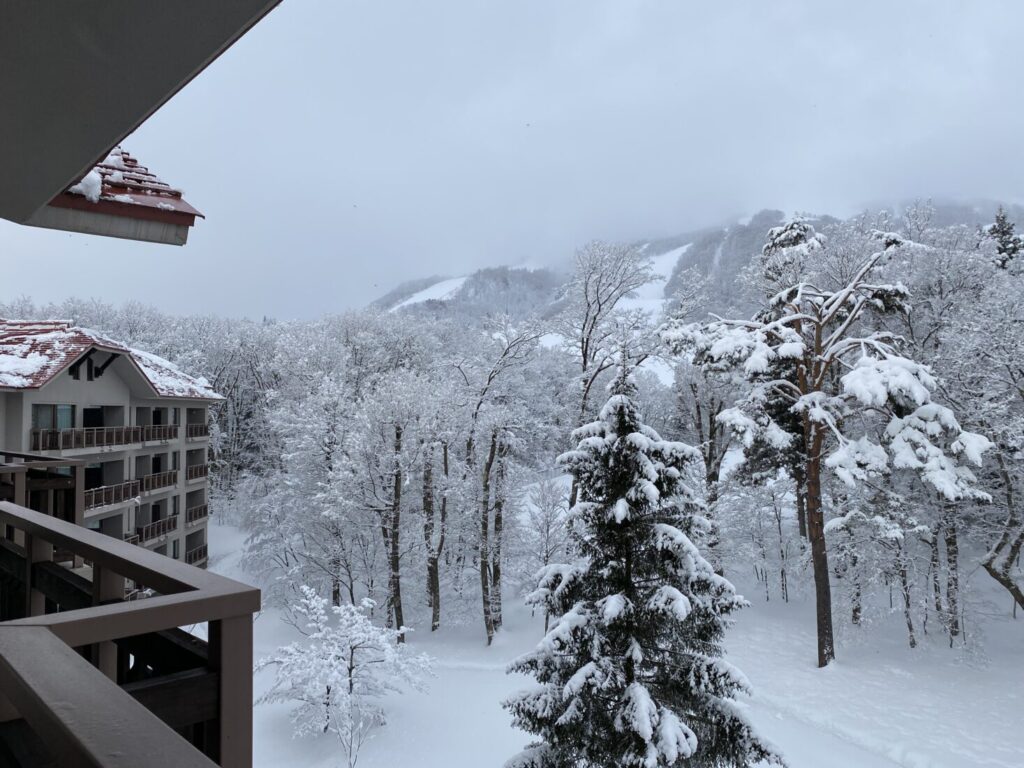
[
  {"x": 631, "y": 673},
  {"x": 814, "y": 335}
]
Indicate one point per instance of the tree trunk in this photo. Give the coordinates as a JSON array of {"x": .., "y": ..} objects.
[
  {"x": 335, "y": 581},
  {"x": 433, "y": 572},
  {"x": 934, "y": 566},
  {"x": 857, "y": 608},
  {"x": 905, "y": 588},
  {"x": 499, "y": 508},
  {"x": 952, "y": 580},
  {"x": 713, "y": 542},
  {"x": 999, "y": 561},
  {"x": 395, "y": 551},
  {"x": 783, "y": 586},
  {"x": 819, "y": 554},
  {"x": 484, "y": 544},
  {"x": 800, "y": 481}
]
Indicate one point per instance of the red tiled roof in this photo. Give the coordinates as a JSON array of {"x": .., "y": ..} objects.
[
  {"x": 128, "y": 189},
  {"x": 33, "y": 353}
]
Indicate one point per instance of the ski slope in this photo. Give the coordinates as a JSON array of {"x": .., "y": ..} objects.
[
  {"x": 651, "y": 297},
  {"x": 442, "y": 291}
]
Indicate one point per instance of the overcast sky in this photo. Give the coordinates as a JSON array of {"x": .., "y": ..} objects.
[{"x": 343, "y": 146}]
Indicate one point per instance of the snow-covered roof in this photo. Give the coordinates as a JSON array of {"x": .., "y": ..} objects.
[
  {"x": 33, "y": 353},
  {"x": 118, "y": 181}
]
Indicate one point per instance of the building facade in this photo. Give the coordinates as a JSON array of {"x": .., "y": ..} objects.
[{"x": 132, "y": 428}]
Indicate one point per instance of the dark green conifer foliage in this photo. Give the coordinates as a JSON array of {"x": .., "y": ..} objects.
[
  {"x": 1008, "y": 244},
  {"x": 632, "y": 673}
]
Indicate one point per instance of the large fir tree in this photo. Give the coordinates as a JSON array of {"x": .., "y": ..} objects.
[{"x": 632, "y": 674}]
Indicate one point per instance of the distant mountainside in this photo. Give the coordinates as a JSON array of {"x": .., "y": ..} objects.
[
  {"x": 514, "y": 291},
  {"x": 717, "y": 252}
]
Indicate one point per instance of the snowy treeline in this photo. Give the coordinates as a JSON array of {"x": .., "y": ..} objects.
[{"x": 409, "y": 458}]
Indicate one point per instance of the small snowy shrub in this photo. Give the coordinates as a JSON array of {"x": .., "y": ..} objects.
[{"x": 338, "y": 676}]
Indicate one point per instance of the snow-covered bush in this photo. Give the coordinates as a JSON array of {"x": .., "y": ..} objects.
[{"x": 338, "y": 676}]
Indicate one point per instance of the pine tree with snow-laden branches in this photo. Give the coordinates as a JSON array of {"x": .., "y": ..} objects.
[{"x": 631, "y": 673}]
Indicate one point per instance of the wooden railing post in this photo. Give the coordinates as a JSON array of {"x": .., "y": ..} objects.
[
  {"x": 107, "y": 586},
  {"x": 19, "y": 488},
  {"x": 38, "y": 551},
  {"x": 230, "y": 649}
]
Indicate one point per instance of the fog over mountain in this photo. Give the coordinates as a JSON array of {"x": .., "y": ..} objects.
[
  {"x": 342, "y": 147},
  {"x": 718, "y": 253}
]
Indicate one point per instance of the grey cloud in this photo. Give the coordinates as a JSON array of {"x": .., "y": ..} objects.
[{"x": 344, "y": 146}]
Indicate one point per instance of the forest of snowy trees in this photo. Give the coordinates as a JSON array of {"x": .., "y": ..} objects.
[{"x": 857, "y": 439}]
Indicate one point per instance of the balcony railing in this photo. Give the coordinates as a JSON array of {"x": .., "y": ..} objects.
[
  {"x": 197, "y": 471},
  {"x": 102, "y": 437},
  {"x": 112, "y": 494},
  {"x": 160, "y": 432},
  {"x": 157, "y": 529},
  {"x": 196, "y": 513},
  {"x": 197, "y": 430},
  {"x": 136, "y": 681},
  {"x": 131, "y": 538},
  {"x": 196, "y": 555},
  {"x": 89, "y": 437},
  {"x": 159, "y": 480}
]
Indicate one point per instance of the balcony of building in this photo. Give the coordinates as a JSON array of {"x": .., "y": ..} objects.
[
  {"x": 103, "y": 427},
  {"x": 157, "y": 471},
  {"x": 196, "y": 508},
  {"x": 107, "y": 484},
  {"x": 195, "y": 548},
  {"x": 94, "y": 666},
  {"x": 158, "y": 424},
  {"x": 55, "y": 428},
  {"x": 155, "y": 521},
  {"x": 196, "y": 466},
  {"x": 196, "y": 427}
]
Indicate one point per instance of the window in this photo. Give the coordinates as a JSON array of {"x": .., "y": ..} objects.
[
  {"x": 176, "y": 416},
  {"x": 177, "y": 504},
  {"x": 176, "y": 548},
  {"x": 176, "y": 460},
  {"x": 53, "y": 416}
]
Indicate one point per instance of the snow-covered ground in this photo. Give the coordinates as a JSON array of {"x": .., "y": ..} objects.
[{"x": 880, "y": 706}]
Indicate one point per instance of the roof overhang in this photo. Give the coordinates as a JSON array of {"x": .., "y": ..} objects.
[{"x": 79, "y": 77}]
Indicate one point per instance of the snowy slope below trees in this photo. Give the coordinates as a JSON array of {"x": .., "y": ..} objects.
[{"x": 880, "y": 706}]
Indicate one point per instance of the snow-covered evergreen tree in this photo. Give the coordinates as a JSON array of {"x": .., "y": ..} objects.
[
  {"x": 1007, "y": 243},
  {"x": 631, "y": 673}
]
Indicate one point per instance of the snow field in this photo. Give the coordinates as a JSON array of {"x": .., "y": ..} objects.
[{"x": 879, "y": 706}]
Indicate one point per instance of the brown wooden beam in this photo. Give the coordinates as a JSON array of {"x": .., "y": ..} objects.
[
  {"x": 167, "y": 652},
  {"x": 97, "y": 725},
  {"x": 180, "y": 700}
]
